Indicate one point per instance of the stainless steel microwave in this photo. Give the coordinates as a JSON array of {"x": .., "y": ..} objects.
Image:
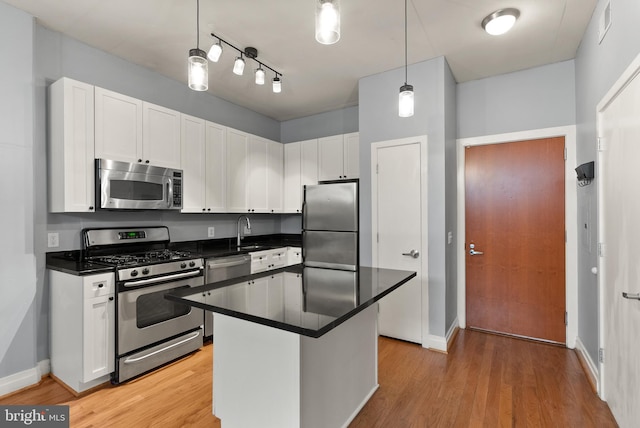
[{"x": 132, "y": 186}]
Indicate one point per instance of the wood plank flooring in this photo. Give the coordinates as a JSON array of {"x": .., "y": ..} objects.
[{"x": 485, "y": 380}]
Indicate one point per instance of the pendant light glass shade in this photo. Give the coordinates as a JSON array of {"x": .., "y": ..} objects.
[
  {"x": 327, "y": 21},
  {"x": 238, "y": 66},
  {"x": 405, "y": 101},
  {"x": 259, "y": 76},
  {"x": 215, "y": 51},
  {"x": 277, "y": 85},
  {"x": 198, "y": 70}
]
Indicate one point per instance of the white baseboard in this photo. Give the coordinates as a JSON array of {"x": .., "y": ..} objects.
[
  {"x": 591, "y": 367},
  {"x": 451, "y": 334},
  {"x": 24, "y": 378},
  {"x": 438, "y": 343}
]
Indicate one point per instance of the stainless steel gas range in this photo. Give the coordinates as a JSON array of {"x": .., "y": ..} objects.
[{"x": 150, "y": 330}]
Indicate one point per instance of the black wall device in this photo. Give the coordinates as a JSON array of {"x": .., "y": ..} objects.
[{"x": 585, "y": 171}]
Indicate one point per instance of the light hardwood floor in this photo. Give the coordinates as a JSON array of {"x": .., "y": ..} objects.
[{"x": 485, "y": 380}]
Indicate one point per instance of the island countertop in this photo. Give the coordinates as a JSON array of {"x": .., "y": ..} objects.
[{"x": 304, "y": 300}]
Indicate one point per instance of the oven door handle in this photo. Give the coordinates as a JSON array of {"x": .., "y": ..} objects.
[
  {"x": 166, "y": 348},
  {"x": 163, "y": 278}
]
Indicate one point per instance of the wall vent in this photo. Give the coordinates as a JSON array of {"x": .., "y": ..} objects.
[{"x": 605, "y": 22}]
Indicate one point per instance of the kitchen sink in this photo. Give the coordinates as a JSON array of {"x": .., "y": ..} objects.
[{"x": 253, "y": 247}]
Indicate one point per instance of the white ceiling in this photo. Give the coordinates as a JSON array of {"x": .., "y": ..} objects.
[{"x": 158, "y": 34}]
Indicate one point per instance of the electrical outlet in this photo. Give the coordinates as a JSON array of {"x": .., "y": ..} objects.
[
  {"x": 53, "y": 240},
  {"x": 211, "y": 232}
]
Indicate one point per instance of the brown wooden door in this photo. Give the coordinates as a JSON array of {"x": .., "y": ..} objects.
[{"x": 514, "y": 209}]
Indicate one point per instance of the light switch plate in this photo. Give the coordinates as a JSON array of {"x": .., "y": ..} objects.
[
  {"x": 53, "y": 240},
  {"x": 211, "y": 232}
]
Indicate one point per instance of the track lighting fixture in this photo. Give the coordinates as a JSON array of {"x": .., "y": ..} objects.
[
  {"x": 238, "y": 66},
  {"x": 405, "y": 100},
  {"x": 327, "y": 21},
  {"x": 198, "y": 68}
]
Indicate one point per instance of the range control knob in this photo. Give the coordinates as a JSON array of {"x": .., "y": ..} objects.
[
  {"x": 192, "y": 263},
  {"x": 183, "y": 265},
  {"x": 145, "y": 271},
  {"x": 134, "y": 273}
]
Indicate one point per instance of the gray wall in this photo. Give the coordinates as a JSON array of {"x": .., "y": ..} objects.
[
  {"x": 537, "y": 98},
  {"x": 379, "y": 121},
  {"x": 335, "y": 122},
  {"x": 18, "y": 283},
  {"x": 598, "y": 66},
  {"x": 451, "y": 196}
]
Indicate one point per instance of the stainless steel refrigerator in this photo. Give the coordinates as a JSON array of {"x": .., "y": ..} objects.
[{"x": 330, "y": 220}]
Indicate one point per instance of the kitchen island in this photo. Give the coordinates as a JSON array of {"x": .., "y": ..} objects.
[{"x": 294, "y": 347}]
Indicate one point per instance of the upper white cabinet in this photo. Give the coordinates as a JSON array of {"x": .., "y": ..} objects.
[
  {"x": 338, "y": 157},
  {"x": 300, "y": 168},
  {"x": 203, "y": 164},
  {"x": 131, "y": 130},
  {"x": 71, "y": 152},
  {"x": 254, "y": 173}
]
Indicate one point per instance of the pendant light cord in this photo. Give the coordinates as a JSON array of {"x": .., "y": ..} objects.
[
  {"x": 198, "y": 24},
  {"x": 405, "y": 42}
]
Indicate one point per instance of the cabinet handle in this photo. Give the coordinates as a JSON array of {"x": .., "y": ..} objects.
[
  {"x": 208, "y": 209},
  {"x": 139, "y": 160},
  {"x": 90, "y": 208},
  {"x": 111, "y": 298},
  {"x": 147, "y": 161},
  {"x": 100, "y": 285},
  {"x": 203, "y": 209}
]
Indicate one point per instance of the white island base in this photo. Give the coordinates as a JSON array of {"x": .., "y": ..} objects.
[{"x": 267, "y": 377}]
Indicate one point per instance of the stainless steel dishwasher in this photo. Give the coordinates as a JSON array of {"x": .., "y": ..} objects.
[{"x": 220, "y": 269}]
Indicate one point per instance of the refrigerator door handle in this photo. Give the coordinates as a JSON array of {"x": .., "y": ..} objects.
[
  {"x": 304, "y": 215},
  {"x": 304, "y": 234}
]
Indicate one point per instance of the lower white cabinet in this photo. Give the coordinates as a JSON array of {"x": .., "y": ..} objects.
[
  {"x": 294, "y": 255},
  {"x": 82, "y": 328},
  {"x": 262, "y": 261}
]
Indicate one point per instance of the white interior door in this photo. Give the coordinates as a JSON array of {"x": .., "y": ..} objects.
[
  {"x": 619, "y": 209},
  {"x": 399, "y": 231}
]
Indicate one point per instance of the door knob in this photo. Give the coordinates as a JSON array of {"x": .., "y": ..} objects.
[
  {"x": 473, "y": 252},
  {"x": 413, "y": 253}
]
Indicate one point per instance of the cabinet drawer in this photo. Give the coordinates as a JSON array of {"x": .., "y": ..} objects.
[
  {"x": 98, "y": 285},
  {"x": 278, "y": 259},
  {"x": 294, "y": 256}
]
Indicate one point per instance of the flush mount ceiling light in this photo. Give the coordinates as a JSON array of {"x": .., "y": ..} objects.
[
  {"x": 405, "y": 100},
  {"x": 239, "y": 64},
  {"x": 500, "y": 21},
  {"x": 198, "y": 68},
  {"x": 327, "y": 21}
]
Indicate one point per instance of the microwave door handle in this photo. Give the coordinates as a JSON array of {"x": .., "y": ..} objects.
[{"x": 169, "y": 193}]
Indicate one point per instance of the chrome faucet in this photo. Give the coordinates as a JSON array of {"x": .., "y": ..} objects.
[{"x": 239, "y": 230}]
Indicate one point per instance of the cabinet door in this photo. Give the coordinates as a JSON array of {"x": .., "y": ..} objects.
[
  {"x": 352, "y": 155},
  {"x": 257, "y": 177},
  {"x": 237, "y": 146},
  {"x": 330, "y": 158},
  {"x": 71, "y": 155},
  {"x": 257, "y": 296},
  {"x": 292, "y": 297},
  {"x": 160, "y": 136},
  {"x": 292, "y": 178},
  {"x": 194, "y": 165},
  {"x": 118, "y": 126},
  {"x": 275, "y": 297},
  {"x": 216, "y": 170},
  {"x": 98, "y": 336},
  {"x": 275, "y": 179},
  {"x": 309, "y": 163}
]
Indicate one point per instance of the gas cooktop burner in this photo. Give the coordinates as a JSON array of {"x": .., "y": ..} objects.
[{"x": 149, "y": 257}]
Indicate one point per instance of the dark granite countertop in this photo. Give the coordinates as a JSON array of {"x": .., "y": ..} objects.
[
  {"x": 304, "y": 300},
  {"x": 72, "y": 262}
]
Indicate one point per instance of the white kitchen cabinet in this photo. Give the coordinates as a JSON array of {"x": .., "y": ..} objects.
[
  {"x": 71, "y": 147},
  {"x": 275, "y": 297},
  {"x": 275, "y": 176},
  {"x": 237, "y": 157},
  {"x": 160, "y": 136},
  {"x": 257, "y": 185},
  {"x": 300, "y": 169},
  {"x": 130, "y": 130},
  {"x": 118, "y": 126},
  {"x": 82, "y": 328},
  {"x": 203, "y": 164},
  {"x": 294, "y": 256},
  {"x": 265, "y": 260},
  {"x": 338, "y": 157}
]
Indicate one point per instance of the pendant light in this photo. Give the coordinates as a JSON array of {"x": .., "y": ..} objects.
[
  {"x": 277, "y": 85},
  {"x": 198, "y": 67},
  {"x": 215, "y": 51},
  {"x": 238, "y": 66},
  {"x": 259, "y": 76},
  {"x": 405, "y": 100},
  {"x": 327, "y": 21}
]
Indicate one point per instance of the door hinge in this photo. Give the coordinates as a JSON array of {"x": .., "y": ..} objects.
[
  {"x": 601, "y": 144},
  {"x": 377, "y": 168},
  {"x": 601, "y": 355},
  {"x": 377, "y": 237},
  {"x": 565, "y": 236},
  {"x": 565, "y": 153},
  {"x": 601, "y": 249},
  {"x": 566, "y": 318}
]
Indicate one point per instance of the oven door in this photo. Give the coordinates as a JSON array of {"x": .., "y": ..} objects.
[{"x": 145, "y": 317}]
